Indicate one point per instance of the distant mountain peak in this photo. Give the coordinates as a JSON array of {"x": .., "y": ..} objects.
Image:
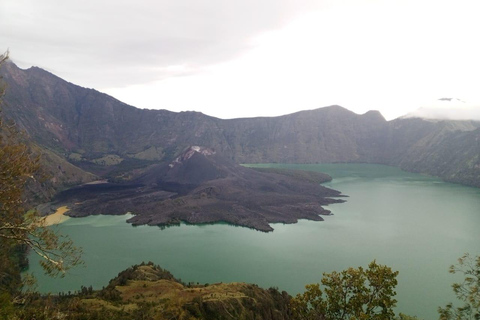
[
  {"x": 374, "y": 114},
  {"x": 190, "y": 152}
]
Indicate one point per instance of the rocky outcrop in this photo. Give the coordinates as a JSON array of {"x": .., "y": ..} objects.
[{"x": 147, "y": 291}]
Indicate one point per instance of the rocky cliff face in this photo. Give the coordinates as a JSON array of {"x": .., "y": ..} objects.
[
  {"x": 105, "y": 136},
  {"x": 447, "y": 149},
  {"x": 331, "y": 134},
  {"x": 86, "y": 125}
]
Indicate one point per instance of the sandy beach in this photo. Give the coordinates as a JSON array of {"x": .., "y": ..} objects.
[{"x": 57, "y": 217}]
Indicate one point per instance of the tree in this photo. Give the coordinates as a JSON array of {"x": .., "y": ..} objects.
[
  {"x": 354, "y": 293},
  {"x": 19, "y": 229},
  {"x": 468, "y": 291},
  {"x": 402, "y": 316}
]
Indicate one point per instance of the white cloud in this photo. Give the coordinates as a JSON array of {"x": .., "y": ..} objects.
[
  {"x": 381, "y": 55},
  {"x": 250, "y": 58},
  {"x": 448, "y": 109},
  {"x": 103, "y": 43}
]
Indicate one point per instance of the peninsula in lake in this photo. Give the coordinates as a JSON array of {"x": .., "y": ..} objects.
[{"x": 200, "y": 186}]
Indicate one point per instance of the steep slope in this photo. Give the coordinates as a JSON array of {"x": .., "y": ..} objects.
[
  {"x": 109, "y": 138},
  {"x": 89, "y": 124},
  {"x": 58, "y": 175},
  {"x": 84, "y": 124},
  {"x": 55, "y": 173},
  {"x": 331, "y": 134},
  {"x": 447, "y": 149}
]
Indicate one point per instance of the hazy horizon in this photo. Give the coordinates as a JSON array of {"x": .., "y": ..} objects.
[{"x": 248, "y": 59}]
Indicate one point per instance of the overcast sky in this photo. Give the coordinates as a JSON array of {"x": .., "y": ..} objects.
[{"x": 248, "y": 58}]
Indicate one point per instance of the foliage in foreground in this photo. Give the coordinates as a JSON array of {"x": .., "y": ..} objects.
[
  {"x": 355, "y": 293},
  {"x": 21, "y": 230},
  {"x": 468, "y": 291}
]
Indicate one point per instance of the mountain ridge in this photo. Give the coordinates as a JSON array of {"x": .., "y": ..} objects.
[{"x": 100, "y": 134}]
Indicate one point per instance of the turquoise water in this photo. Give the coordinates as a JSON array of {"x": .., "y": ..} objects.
[{"x": 417, "y": 225}]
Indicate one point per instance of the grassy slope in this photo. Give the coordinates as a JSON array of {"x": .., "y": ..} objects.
[{"x": 148, "y": 292}]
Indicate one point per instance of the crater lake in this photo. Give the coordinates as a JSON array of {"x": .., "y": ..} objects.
[{"x": 415, "y": 224}]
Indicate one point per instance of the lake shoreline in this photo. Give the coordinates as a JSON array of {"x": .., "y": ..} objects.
[
  {"x": 399, "y": 219},
  {"x": 57, "y": 217}
]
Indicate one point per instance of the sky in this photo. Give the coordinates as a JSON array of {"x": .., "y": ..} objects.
[{"x": 249, "y": 58}]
